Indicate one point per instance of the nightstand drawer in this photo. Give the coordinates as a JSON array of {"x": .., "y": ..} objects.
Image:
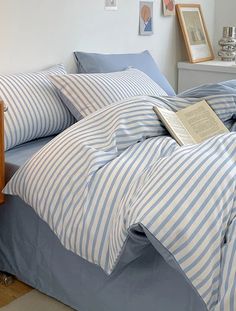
[{"x": 191, "y": 75}]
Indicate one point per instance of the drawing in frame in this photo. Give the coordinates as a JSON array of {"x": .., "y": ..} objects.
[
  {"x": 111, "y": 5},
  {"x": 145, "y": 18},
  {"x": 194, "y": 32},
  {"x": 168, "y": 7}
]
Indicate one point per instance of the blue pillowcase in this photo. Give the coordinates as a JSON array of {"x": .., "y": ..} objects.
[{"x": 104, "y": 63}]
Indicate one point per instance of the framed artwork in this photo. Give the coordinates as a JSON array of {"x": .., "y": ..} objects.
[
  {"x": 111, "y": 5},
  {"x": 146, "y": 18},
  {"x": 194, "y": 32},
  {"x": 168, "y": 7}
]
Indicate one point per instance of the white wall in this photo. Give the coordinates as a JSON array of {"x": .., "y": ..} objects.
[
  {"x": 35, "y": 34},
  {"x": 225, "y": 15}
]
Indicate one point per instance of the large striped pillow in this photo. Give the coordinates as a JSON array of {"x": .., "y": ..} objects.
[
  {"x": 34, "y": 107},
  {"x": 86, "y": 93}
]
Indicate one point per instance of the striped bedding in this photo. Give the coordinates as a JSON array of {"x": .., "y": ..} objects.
[
  {"x": 117, "y": 175},
  {"x": 86, "y": 93},
  {"x": 34, "y": 108}
]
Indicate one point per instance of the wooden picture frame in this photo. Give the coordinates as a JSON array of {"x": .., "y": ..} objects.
[{"x": 194, "y": 32}]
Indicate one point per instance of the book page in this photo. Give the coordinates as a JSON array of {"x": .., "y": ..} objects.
[
  {"x": 174, "y": 126},
  {"x": 201, "y": 121}
]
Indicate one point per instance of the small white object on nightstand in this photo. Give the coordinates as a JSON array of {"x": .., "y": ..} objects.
[{"x": 191, "y": 75}]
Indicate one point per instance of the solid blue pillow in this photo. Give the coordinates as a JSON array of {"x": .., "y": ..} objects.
[{"x": 104, "y": 63}]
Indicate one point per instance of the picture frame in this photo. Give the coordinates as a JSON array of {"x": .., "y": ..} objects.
[
  {"x": 194, "y": 31},
  {"x": 111, "y": 5},
  {"x": 168, "y": 7},
  {"x": 145, "y": 18}
]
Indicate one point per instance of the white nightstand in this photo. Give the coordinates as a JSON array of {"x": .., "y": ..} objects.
[{"x": 190, "y": 75}]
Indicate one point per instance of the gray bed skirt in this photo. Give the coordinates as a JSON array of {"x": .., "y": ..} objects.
[{"x": 32, "y": 252}]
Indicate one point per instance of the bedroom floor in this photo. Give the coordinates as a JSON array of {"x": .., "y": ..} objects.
[
  {"x": 12, "y": 292},
  {"x": 21, "y": 297}
]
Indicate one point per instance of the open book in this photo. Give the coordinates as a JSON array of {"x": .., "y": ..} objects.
[{"x": 193, "y": 124}]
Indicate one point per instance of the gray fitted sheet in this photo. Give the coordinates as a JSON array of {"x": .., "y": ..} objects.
[
  {"x": 31, "y": 251},
  {"x": 17, "y": 156}
]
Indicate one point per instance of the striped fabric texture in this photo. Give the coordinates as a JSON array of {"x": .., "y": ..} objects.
[
  {"x": 34, "y": 107},
  {"x": 224, "y": 87},
  {"x": 86, "y": 93},
  {"x": 116, "y": 169}
]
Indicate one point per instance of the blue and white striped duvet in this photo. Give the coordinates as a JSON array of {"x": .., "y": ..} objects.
[{"x": 118, "y": 168}]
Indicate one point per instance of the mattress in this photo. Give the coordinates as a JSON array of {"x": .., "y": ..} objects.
[
  {"x": 32, "y": 252},
  {"x": 17, "y": 156}
]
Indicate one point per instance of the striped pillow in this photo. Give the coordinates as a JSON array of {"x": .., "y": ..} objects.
[
  {"x": 86, "y": 93},
  {"x": 34, "y": 107}
]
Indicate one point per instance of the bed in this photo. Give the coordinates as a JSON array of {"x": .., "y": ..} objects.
[
  {"x": 32, "y": 252},
  {"x": 62, "y": 182}
]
